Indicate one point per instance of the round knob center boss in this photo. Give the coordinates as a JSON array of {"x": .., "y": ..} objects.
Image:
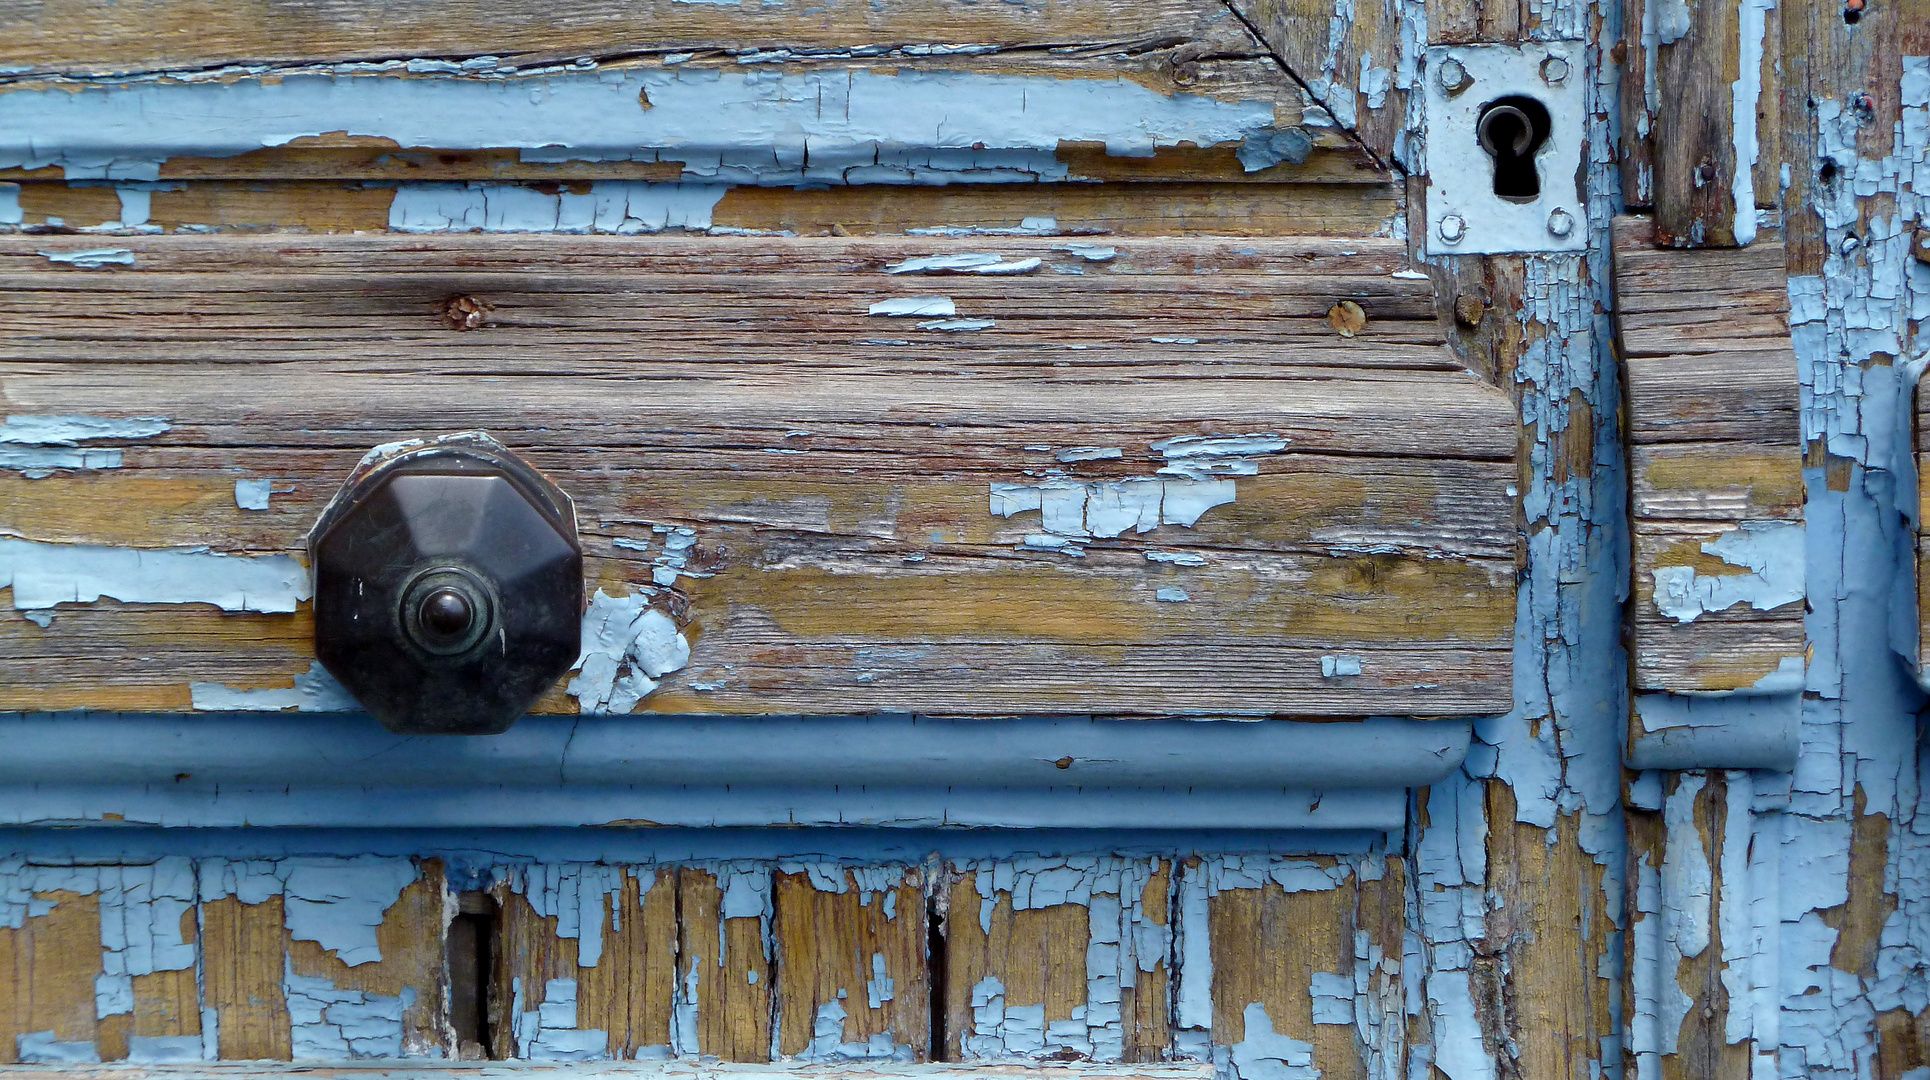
[
  {"x": 447, "y": 610},
  {"x": 448, "y": 585}
]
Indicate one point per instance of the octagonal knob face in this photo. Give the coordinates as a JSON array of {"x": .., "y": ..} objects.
[{"x": 448, "y": 585}]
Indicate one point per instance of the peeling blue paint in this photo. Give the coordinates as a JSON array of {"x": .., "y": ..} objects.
[
  {"x": 38, "y": 445},
  {"x": 45, "y": 575},
  {"x": 760, "y": 127},
  {"x": 97, "y": 258},
  {"x": 610, "y": 206}
]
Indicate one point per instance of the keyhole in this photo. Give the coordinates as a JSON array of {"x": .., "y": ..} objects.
[{"x": 1512, "y": 130}]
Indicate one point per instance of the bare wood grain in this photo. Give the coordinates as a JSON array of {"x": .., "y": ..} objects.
[
  {"x": 1333, "y": 195},
  {"x": 1548, "y": 891},
  {"x": 1267, "y": 946},
  {"x": 835, "y": 478},
  {"x": 1703, "y": 1048},
  {"x": 410, "y": 938},
  {"x": 1090, "y": 957},
  {"x": 1715, "y": 442},
  {"x": 1346, "y": 55},
  {"x": 826, "y": 943},
  {"x": 1038, "y": 957},
  {"x": 96, "y": 38},
  {"x": 342, "y": 160},
  {"x": 1715, "y": 481},
  {"x": 1695, "y": 126},
  {"x": 628, "y": 992},
  {"x": 724, "y": 963},
  {"x": 47, "y": 970},
  {"x": 241, "y": 951}
]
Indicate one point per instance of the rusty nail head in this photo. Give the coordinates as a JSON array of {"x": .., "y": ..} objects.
[{"x": 1453, "y": 228}]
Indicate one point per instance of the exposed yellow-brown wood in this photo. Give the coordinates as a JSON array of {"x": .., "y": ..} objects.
[
  {"x": 1547, "y": 945},
  {"x": 166, "y": 1003},
  {"x": 47, "y": 969},
  {"x": 529, "y": 953},
  {"x": 1038, "y": 955},
  {"x": 867, "y": 504},
  {"x": 724, "y": 964},
  {"x": 241, "y": 964},
  {"x": 1702, "y": 1047},
  {"x": 349, "y": 160},
  {"x": 1715, "y": 447},
  {"x": 1380, "y": 924},
  {"x": 1860, "y": 919},
  {"x": 1341, "y": 204},
  {"x": 410, "y": 938},
  {"x": 826, "y": 943},
  {"x": 628, "y": 992},
  {"x": 1149, "y": 1022},
  {"x": 1267, "y": 946},
  {"x": 1720, "y": 481}
]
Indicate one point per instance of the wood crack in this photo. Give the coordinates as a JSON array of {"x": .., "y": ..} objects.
[
  {"x": 534, "y": 64},
  {"x": 1352, "y": 133}
]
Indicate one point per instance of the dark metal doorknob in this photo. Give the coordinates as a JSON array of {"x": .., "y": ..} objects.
[{"x": 448, "y": 585}]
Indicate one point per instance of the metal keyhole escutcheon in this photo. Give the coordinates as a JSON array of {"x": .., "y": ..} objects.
[
  {"x": 1513, "y": 130},
  {"x": 448, "y": 585}
]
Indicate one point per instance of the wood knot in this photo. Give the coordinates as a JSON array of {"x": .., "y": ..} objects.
[
  {"x": 1183, "y": 62},
  {"x": 1346, "y": 318},
  {"x": 1468, "y": 310},
  {"x": 465, "y": 313}
]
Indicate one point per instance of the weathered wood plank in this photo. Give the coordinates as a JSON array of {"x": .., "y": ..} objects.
[
  {"x": 1554, "y": 979},
  {"x": 1694, "y": 840},
  {"x": 1695, "y": 128},
  {"x": 47, "y": 970},
  {"x": 90, "y": 37},
  {"x": 1715, "y": 460},
  {"x": 852, "y": 514},
  {"x": 629, "y": 993},
  {"x": 1713, "y": 656},
  {"x": 411, "y": 971},
  {"x": 1346, "y": 55},
  {"x": 850, "y": 963},
  {"x": 241, "y": 982},
  {"x": 1715, "y": 481},
  {"x": 331, "y": 161},
  {"x": 1285, "y": 958},
  {"x": 1689, "y": 110},
  {"x": 1332, "y": 195},
  {"x": 585, "y": 961},
  {"x": 1744, "y": 396},
  {"x": 724, "y": 963},
  {"x": 1467, "y": 22},
  {"x": 927, "y": 115},
  {"x": 1050, "y": 958}
]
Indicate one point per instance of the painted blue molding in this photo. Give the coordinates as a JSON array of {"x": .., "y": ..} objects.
[
  {"x": 482, "y": 848},
  {"x": 223, "y": 770}
]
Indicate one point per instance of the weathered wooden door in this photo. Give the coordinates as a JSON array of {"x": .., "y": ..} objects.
[{"x": 1286, "y": 539}]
